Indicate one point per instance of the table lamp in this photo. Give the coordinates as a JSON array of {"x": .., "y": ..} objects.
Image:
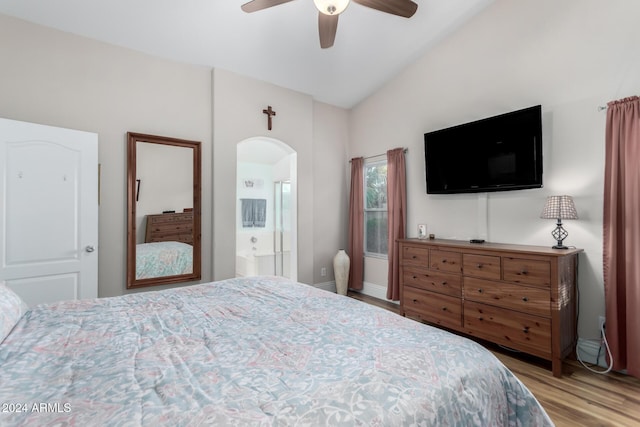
[{"x": 559, "y": 207}]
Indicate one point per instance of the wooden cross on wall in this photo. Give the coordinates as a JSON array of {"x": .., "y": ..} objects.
[{"x": 270, "y": 113}]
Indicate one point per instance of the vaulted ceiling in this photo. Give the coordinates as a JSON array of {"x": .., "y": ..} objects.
[{"x": 278, "y": 45}]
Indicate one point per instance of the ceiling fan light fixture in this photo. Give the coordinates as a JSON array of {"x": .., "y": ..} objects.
[{"x": 331, "y": 7}]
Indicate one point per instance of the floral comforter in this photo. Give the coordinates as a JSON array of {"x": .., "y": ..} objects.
[
  {"x": 159, "y": 259},
  {"x": 252, "y": 351}
]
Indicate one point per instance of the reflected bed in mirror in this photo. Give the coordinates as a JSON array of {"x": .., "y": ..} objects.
[{"x": 163, "y": 188}]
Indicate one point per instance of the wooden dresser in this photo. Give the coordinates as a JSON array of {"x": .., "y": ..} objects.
[
  {"x": 521, "y": 297},
  {"x": 175, "y": 227}
]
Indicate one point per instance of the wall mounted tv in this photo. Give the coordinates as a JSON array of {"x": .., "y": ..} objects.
[{"x": 498, "y": 153}]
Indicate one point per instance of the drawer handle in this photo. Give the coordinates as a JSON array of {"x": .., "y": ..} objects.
[
  {"x": 481, "y": 318},
  {"x": 414, "y": 277},
  {"x": 526, "y": 330},
  {"x": 479, "y": 266},
  {"x": 444, "y": 283},
  {"x": 444, "y": 308},
  {"x": 415, "y": 301},
  {"x": 525, "y": 299},
  {"x": 480, "y": 291},
  {"x": 414, "y": 257},
  {"x": 444, "y": 261},
  {"x": 524, "y": 272}
]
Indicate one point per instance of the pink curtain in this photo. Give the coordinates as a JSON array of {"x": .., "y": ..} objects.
[
  {"x": 621, "y": 251},
  {"x": 397, "y": 213},
  {"x": 355, "y": 248}
]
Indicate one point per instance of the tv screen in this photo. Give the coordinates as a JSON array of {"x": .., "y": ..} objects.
[{"x": 498, "y": 153}]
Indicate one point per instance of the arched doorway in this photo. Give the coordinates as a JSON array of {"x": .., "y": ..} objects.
[{"x": 266, "y": 208}]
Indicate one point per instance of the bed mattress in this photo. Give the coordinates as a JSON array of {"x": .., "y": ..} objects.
[{"x": 255, "y": 351}]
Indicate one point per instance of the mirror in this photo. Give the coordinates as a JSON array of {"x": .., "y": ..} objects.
[{"x": 163, "y": 210}]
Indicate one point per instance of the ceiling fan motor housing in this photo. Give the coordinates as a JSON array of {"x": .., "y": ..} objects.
[{"x": 331, "y": 7}]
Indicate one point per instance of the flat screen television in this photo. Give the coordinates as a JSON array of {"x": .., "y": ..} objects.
[{"x": 499, "y": 153}]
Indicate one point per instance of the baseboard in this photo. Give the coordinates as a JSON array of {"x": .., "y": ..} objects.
[
  {"x": 374, "y": 290},
  {"x": 588, "y": 350},
  {"x": 327, "y": 286}
]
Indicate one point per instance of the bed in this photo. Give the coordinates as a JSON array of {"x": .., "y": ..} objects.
[
  {"x": 159, "y": 259},
  {"x": 168, "y": 246},
  {"x": 257, "y": 351}
]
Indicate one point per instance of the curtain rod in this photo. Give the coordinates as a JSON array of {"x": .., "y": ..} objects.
[
  {"x": 404, "y": 150},
  {"x": 604, "y": 107}
]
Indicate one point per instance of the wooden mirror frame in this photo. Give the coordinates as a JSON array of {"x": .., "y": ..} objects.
[{"x": 196, "y": 274}]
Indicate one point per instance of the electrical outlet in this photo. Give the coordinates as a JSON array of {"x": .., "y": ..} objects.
[
  {"x": 601, "y": 322},
  {"x": 323, "y": 271}
]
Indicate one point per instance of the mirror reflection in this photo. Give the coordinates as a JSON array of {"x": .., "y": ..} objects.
[{"x": 164, "y": 220}]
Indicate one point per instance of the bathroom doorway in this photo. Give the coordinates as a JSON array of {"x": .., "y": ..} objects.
[{"x": 266, "y": 214}]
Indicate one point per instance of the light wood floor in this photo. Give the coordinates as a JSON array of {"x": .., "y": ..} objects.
[{"x": 579, "y": 398}]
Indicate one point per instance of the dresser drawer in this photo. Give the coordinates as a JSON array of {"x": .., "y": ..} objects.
[
  {"x": 170, "y": 218},
  {"x": 432, "y": 307},
  {"x": 443, "y": 283},
  {"x": 447, "y": 261},
  {"x": 509, "y": 328},
  {"x": 525, "y": 299},
  {"x": 176, "y": 227},
  {"x": 415, "y": 255},
  {"x": 486, "y": 266},
  {"x": 522, "y": 270}
]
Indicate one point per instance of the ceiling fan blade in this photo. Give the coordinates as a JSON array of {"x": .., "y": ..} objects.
[
  {"x": 255, "y": 5},
  {"x": 404, "y": 8},
  {"x": 327, "y": 26}
]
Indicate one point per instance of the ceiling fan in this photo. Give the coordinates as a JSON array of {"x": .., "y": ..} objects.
[{"x": 329, "y": 10}]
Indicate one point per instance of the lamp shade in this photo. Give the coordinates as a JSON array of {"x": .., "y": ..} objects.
[
  {"x": 331, "y": 7},
  {"x": 559, "y": 207}
]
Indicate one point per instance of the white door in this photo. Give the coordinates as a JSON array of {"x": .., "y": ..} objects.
[{"x": 48, "y": 212}]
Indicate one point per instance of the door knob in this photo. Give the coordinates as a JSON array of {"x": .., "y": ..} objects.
[{"x": 89, "y": 248}]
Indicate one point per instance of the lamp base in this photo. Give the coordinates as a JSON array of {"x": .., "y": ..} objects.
[{"x": 559, "y": 234}]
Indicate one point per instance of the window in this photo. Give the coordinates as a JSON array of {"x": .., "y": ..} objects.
[{"x": 375, "y": 209}]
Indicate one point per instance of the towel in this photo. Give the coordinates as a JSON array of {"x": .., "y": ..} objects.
[{"x": 254, "y": 212}]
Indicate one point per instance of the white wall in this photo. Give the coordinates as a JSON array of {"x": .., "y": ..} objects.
[
  {"x": 330, "y": 178},
  {"x": 570, "y": 56},
  {"x": 59, "y": 79},
  {"x": 166, "y": 182},
  {"x": 237, "y": 106},
  {"x": 318, "y": 134}
]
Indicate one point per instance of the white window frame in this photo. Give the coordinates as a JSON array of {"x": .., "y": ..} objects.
[{"x": 365, "y": 210}]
